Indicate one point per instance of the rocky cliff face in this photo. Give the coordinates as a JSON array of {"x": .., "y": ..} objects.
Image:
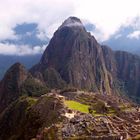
[
  {"x": 77, "y": 57},
  {"x": 125, "y": 68},
  {"x": 128, "y": 71}
]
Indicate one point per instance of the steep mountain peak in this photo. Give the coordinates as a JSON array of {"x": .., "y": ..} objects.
[
  {"x": 17, "y": 65},
  {"x": 17, "y": 72},
  {"x": 10, "y": 84},
  {"x": 76, "y": 57},
  {"x": 72, "y": 22}
]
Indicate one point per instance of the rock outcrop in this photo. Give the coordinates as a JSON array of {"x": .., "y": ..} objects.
[
  {"x": 125, "y": 69},
  {"x": 128, "y": 71}
]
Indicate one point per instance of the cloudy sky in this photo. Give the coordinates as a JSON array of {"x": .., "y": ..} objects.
[{"x": 106, "y": 15}]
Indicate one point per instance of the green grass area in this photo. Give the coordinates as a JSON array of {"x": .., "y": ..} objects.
[
  {"x": 32, "y": 100},
  {"x": 74, "y": 105},
  {"x": 77, "y": 106}
]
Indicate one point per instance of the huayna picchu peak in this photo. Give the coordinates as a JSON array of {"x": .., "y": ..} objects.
[
  {"x": 77, "y": 58},
  {"x": 79, "y": 90}
]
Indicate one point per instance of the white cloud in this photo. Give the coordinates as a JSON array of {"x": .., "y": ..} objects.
[
  {"x": 42, "y": 35},
  {"x": 107, "y": 15},
  {"x": 118, "y": 36},
  {"x": 44, "y": 12},
  {"x": 70, "y": 22},
  {"x": 10, "y": 49},
  {"x": 134, "y": 35}
]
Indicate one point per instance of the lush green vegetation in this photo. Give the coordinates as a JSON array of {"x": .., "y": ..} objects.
[
  {"x": 31, "y": 100},
  {"x": 77, "y": 106},
  {"x": 96, "y": 110},
  {"x": 33, "y": 88}
]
